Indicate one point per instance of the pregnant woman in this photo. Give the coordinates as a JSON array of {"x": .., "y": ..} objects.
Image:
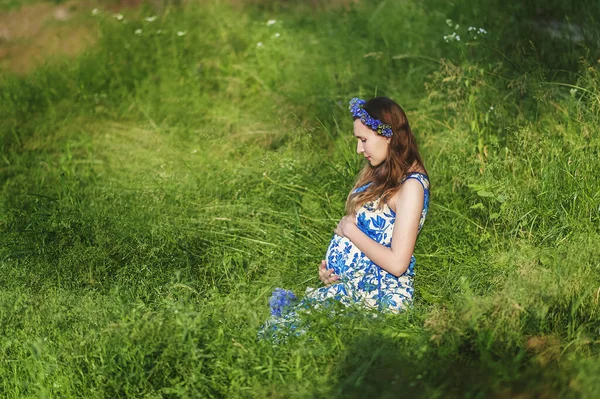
[{"x": 370, "y": 259}]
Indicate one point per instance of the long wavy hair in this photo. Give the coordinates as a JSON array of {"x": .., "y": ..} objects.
[{"x": 402, "y": 152}]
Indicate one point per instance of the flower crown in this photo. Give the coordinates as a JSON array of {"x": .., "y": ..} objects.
[{"x": 356, "y": 107}]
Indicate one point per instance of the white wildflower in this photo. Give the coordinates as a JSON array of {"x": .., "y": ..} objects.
[
  {"x": 138, "y": 32},
  {"x": 271, "y": 22},
  {"x": 182, "y": 33},
  {"x": 277, "y": 34},
  {"x": 573, "y": 91},
  {"x": 259, "y": 44},
  {"x": 95, "y": 11},
  {"x": 151, "y": 19},
  {"x": 119, "y": 16},
  {"x": 477, "y": 31},
  {"x": 451, "y": 37},
  {"x": 491, "y": 108}
]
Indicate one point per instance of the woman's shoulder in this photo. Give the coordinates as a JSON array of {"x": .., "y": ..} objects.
[{"x": 413, "y": 186}]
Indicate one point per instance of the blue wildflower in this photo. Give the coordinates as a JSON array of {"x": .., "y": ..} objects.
[{"x": 280, "y": 301}]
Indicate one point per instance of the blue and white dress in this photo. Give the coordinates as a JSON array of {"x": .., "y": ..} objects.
[{"x": 362, "y": 282}]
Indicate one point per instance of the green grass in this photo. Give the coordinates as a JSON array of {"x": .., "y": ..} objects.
[{"x": 157, "y": 188}]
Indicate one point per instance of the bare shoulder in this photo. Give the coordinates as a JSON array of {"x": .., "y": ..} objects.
[
  {"x": 410, "y": 194},
  {"x": 410, "y": 188}
]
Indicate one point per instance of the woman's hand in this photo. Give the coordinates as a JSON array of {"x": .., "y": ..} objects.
[
  {"x": 344, "y": 226},
  {"x": 327, "y": 276}
]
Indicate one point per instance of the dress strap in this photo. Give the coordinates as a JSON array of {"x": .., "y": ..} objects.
[
  {"x": 420, "y": 177},
  {"x": 361, "y": 188}
]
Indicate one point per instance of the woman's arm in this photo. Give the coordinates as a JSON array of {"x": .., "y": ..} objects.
[{"x": 394, "y": 259}]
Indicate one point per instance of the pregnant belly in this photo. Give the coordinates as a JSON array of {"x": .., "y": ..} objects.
[{"x": 339, "y": 255}]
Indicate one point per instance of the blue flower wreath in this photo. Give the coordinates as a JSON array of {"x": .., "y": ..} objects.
[{"x": 356, "y": 107}]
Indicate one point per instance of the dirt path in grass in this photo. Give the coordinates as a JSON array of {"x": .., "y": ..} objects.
[
  {"x": 34, "y": 33},
  {"x": 38, "y": 32}
]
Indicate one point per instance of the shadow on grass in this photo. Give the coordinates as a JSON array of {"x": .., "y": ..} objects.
[{"x": 385, "y": 367}]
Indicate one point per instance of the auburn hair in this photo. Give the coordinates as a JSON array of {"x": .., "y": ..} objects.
[{"x": 402, "y": 153}]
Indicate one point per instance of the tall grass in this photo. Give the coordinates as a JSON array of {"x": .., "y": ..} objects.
[{"x": 157, "y": 188}]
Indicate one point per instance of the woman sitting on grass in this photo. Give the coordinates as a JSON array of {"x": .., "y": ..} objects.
[{"x": 370, "y": 259}]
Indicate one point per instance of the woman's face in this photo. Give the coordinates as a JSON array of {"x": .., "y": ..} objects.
[{"x": 372, "y": 145}]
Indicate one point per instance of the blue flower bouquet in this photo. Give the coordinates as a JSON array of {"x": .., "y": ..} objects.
[{"x": 281, "y": 301}]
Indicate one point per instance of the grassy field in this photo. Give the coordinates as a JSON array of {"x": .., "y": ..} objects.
[{"x": 158, "y": 187}]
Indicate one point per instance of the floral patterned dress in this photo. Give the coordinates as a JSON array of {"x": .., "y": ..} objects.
[{"x": 361, "y": 281}]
